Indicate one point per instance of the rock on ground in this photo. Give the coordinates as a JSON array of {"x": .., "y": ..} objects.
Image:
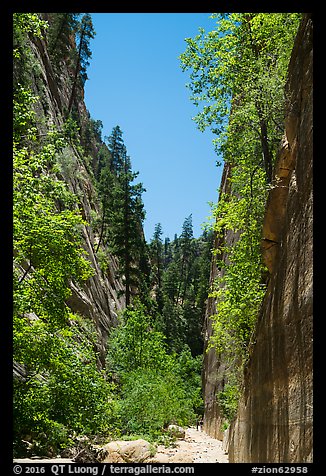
[
  {"x": 195, "y": 447},
  {"x": 177, "y": 431},
  {"x": 136, "y": 451}
]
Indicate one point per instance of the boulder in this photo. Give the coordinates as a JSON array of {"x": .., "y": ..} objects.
[
  {"x": 177, "y": 431},
  {"x": 136, "y": 451}
]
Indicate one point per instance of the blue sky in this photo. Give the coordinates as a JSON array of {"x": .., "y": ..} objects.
[{"x": 136, "y": 82}]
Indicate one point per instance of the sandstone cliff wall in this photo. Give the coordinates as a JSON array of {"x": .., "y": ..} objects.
[
  {"x": 215, "y": 366},
  {"x": 101, "y": 297},
  {"x": 274, "y": 420}
]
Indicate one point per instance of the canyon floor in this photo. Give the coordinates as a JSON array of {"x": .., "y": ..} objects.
[{"x": 195, "y": 447}]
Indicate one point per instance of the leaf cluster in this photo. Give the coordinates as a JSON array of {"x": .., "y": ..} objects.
[
  {"x": 243, "y": 60},
  {"x": 238, "y": 72},
  {"x": 156, "y": 387},
  {"x": 63, "y": 393}
]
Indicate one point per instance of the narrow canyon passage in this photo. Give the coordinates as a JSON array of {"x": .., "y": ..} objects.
[
  {"x": 119, "y": 331},
  {"x": 196, "y": 447}
]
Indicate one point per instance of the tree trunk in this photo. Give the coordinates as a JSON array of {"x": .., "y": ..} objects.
[{"x": 268, "y": 162}]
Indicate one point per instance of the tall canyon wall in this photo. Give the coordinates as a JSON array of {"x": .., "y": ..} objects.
[
  {"x": 274, "y": 417},
  {"x": 101, "y": 296},
  {"x": 215, "y": 366}
]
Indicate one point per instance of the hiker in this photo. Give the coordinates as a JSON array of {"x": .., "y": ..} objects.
[{"x": 200, "y": 424}]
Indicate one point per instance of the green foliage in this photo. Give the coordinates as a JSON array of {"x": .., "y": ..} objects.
[
  {"x": 238, "y": 73},
  {"x": 228, "y": 400},
  {"x": 151, "y": 401},
  {"x": 71, "y": 130},
  {"x": 157, "y": 388},
  {"x": 47, "y": 241},
  {"x": 26, "y": 26},
  {"x": 189, "y": 369},
  {"x": 91, "y": 134},
  {"x": 180, "y": 280},
  {"x": 23, "y": 115},
  {"x": 122, "y": 213},
  {"x": 239, "y": 288},
  {"x": 243, "y": 59},
  {"x": 64, "y": 392},
  {"x": 103, "y": 260},
  {"x": 135, "y": 344},
  {"x": 29, "y": 23}
]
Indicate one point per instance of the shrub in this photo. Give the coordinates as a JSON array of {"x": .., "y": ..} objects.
[
  {"x": 157, "y": 388},
  {"x": 228, "y": 400},
  {"x": 152, "y": 400},
  {"x": 64, "y": 391}
]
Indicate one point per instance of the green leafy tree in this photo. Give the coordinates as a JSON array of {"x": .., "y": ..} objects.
[
  {"x": 238, "y": 73},
  {"x": 47, "y": 242},
  {"x": 242, "y": 64},
  {"x": 62, "y": 391},
  {"x": 157, "y": 387},
  {"x": 135, "y": 344},
  {"x": 152, "y": 401}
]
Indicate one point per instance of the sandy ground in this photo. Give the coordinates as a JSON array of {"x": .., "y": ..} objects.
[{"x": 196, "y": 447}]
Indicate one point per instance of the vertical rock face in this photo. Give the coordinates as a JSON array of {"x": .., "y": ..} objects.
[
  {"x": 274, "y": 420},
  {"x": 101, "y": 297},
  {"x": 214, "y": 368}
]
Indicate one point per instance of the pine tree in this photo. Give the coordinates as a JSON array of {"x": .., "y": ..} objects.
[
  {"x": 157, "y": 262},
  {"x": 106, "y": 185},
  {"x": 167, "y": 252},
  {"x": 185, "y": 288},
  {"x": 186, "y": 255},
  {"x": 84, "y": 32},
  {"x": 125, "y": 214},
  {"x": 116, "y": 147},
  {"x": 61, "y": 27}
]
